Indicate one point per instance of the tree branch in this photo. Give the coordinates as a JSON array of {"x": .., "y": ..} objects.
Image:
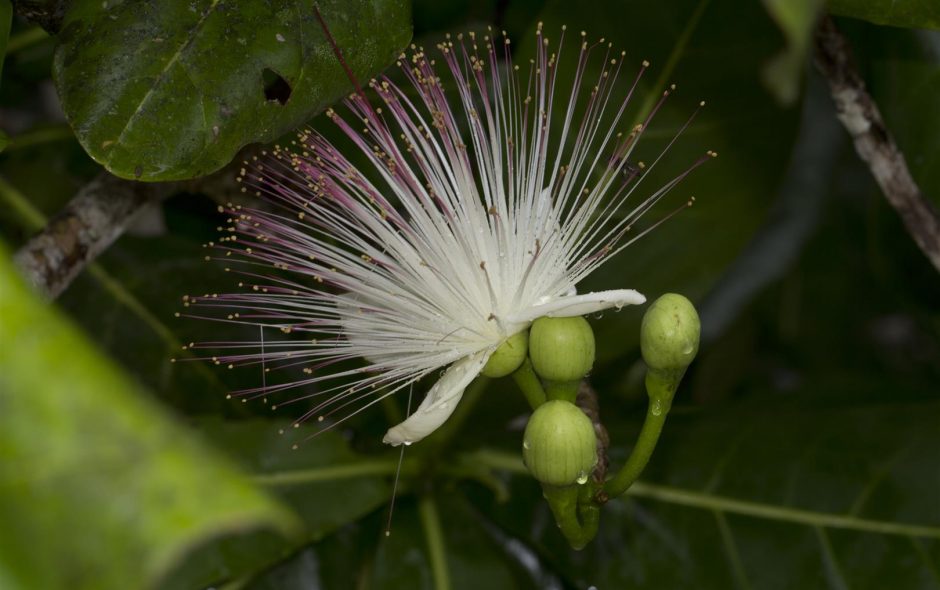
[
  {"x": 47, "y": 14},
  {"x": 88, "y": 224},
  {"x": 873, "y": 142}
]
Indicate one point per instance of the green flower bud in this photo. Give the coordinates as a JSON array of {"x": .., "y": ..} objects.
[
  {"x": 670, "y": 333},
  {"x": 559, "y": 445},
  {"x": 508, "y": 357},
  {"x": 561, "y": 349}
]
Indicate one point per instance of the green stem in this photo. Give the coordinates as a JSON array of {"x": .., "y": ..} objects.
[
  {"x": 678, "y": 49},
  {"x": 434, "y": 533},
  {"x": 563, "y": 390},
  {"x": 528, "y": 382},
  {"x": 500, "y": 460},
  {"x": 577, "y": 525},
  {"x": 465, "y": 466},
  {"x": 511, "y": 463},
  {"x": 31, "y": 217},
  {"x": 661, "y": 385},
  {"x": 25, "y": 39},
  {"x": 334, "y": 472},
  {"x": 40, "y": 136},
  {"x": 708, "y": 501},
  {"x": 649, "y": 436}
]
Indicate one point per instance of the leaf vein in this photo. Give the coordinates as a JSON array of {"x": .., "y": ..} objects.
[
  {"x": 731, "y": 548},
  {"x": 779, "y": 513},
  {"x": 833, "y": 572},
  {"x": 193, "y": 33}
]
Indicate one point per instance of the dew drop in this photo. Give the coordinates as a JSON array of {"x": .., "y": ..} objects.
[
  {"x": 526, "y": 445},
  {"x": 407, "y": 443},
  {"x": 582, "y": 478},
  {"x": 656, "y": 408},
  {"x": 688, "y": 348}
]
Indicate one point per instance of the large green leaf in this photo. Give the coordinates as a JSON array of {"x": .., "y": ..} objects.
[
  {"x": 919, "y": 14},
  {"x": 99, "y": 488},
  {"x": 172, "y": 90},
  {"x": 776, "y": 495},
  {"x": 795, "y": 494},
  {"x": 363, "y": 557},
  {"x": 337, "y": 487},
  {"x": 345, "y": 484}
]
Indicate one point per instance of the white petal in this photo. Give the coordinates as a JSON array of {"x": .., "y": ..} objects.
[
  {"x": 440, "y": 401},
  {"x": 564, "y": 307}
]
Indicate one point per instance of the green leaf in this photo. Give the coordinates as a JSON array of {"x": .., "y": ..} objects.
[
  {"x": 129, "y": 305},
  {"x": 918, "y": 14},
  {"x": 173, "y": 90},
  {"x": 326, "y": 484},
  {"x": 477, "y": 556},
  {"x": 472, "y": 559},
  {"x": 99, "y": 488},
  {"x": 791, "y": 495},
  {"x": 783, "y": 73}
]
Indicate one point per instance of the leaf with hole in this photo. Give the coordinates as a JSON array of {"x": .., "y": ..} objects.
[{"x": 172, "y": 90}]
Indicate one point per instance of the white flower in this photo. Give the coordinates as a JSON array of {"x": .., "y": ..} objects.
[{"x": 470, "y": 221}]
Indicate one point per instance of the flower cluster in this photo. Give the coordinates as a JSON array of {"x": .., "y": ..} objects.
[{"x": 472, "y": 216}]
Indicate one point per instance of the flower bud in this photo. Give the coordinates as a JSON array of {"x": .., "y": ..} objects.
[
  {"x": 559, "y": 445},
  {"x": 561, "y": 349},
  {"x": 670, "y": 333},
  {"x": 508, "y": 357}
]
